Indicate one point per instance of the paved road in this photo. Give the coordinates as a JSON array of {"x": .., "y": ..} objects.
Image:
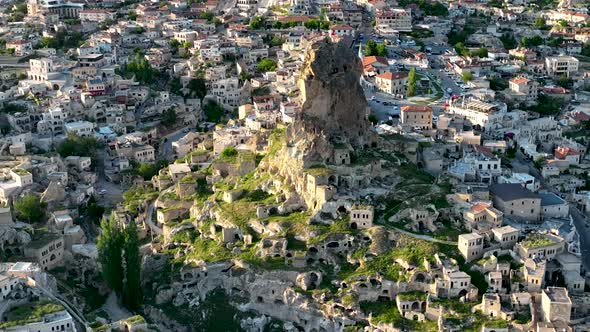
[
  {"x": 166, "y": 150},
  {"x": 149, "y": 220},
  {"x": 581, "y": 223},
  {"x": 583, "y": 228}
]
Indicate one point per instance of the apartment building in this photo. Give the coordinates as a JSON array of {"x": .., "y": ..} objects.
[
  {"x": 392, "y": 83},
  {"x": 516, "y": 201},
  {"x": 415, "y": 116},
  {"x": 525, "y": 87},
  {"x": 480, "y": 114},
  {"x": 562, "y": 65},
  {"x": 80, "y": 128},
  {"x": 40, "y": 69},
  {"x": 390, "y": 22},
  {"x": 96, "y": 15}
]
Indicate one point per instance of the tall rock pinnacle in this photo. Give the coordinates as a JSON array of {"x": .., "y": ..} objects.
[{"x": 334, "y": 108}]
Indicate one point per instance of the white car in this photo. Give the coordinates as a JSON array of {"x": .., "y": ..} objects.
[
  {"x": 449, "y": 90},
  {"x": 102, "y": 191}
]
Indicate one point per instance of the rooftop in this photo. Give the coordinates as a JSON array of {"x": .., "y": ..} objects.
[
  {"x": 538, "y": 240},
  {"x": 44, "y": 240},
  {"x": 511, "y": 191},
  {"x": 29, "y": 313},
  {"x": 548, "y": 199},
  {"x": 557, "y": 294},
  {"x": 505, "y": 229}
]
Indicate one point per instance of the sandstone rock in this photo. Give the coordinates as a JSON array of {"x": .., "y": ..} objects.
[
  {"x": 309, "y": 280},
  {"x": 11, "y": 236},
  {"x": 165, "y": 295}
]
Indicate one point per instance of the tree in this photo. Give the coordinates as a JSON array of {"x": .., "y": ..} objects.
[
  {"x": 565, "y": 82},
  {"x": 120, "y": 260},
  {"x": 257, "y": 23},
  {"x": 373, "y": 119},
  {"x": 109, "y": 245},
  {"x": 562, "y": 23},
  {"x": 30, "y": 208},
  {"x": 207, "y": 16},
  {"x": 508, "y": 41},
  {"x": 148, "y": 170},
  {"x": 540, "y": 23},
  {"x": 266, "y": 65},
  {"x": 411, "y": 90},
  {"x": 481, "y": 52},
  {"x": 176, "y": 86},
  {"x": 381, "y": 50},
  {"x": 372, "y": 48},
  {"x": 197, "y": 88},
  {"x": 169, "y": 117},
  {"x": 213, "y": 112},
  {"x": 229, "y": 152},
  {"x": 312, "y": 24},
  {"x": 547, "y": 105},
  {"x": 14, "y": 108},
  {"x": 132, "y": 287},
  {"x": 586, "y": 49},
  {"x": 131, "y": 15},
  {"x": 93, "y": 210},
  {"x": 466, "y": 77},
  {"x": 81, "y": 146},
  {"x": 498, "y": 84},
  {"x": 273, "y": 41},
  {"x": 140, "y": 68},
  {"x": 277, "y": 25},
  {"x": 554, "y": 41}
]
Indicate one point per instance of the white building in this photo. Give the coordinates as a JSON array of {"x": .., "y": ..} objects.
[
  {"x": 553, "y": 206},
  {"x": 96, "y": 15},
  {"x": 481, "y": 114},
  {"x": 392, "y": 21},
  {"x": 526, "y": 180},
  {"x": 80, "y": 128},
  {"x": 561, "y": 65},
  {"x": 56, "y": 321},
  {"x": 40, "y": 69},
  {"x": 341, "y": 30}
]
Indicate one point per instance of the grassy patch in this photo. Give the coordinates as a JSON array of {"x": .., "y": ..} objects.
[
  {"x": 536, "y": 240},
  {"x": 386, "y": 312},
  {"x": 29, "y": 313},
  {"x": 409, "y": 249}
]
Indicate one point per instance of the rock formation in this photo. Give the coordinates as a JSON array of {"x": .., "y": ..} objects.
[{"x": 334, "y": 108}]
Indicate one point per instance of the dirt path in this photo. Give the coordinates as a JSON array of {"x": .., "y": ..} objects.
[{"x": 116, "y": 312}]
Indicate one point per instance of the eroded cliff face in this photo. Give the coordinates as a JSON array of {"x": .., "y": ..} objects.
[
  {"x": 334, "y": 108},
  {"x": 331, "y": 125}
]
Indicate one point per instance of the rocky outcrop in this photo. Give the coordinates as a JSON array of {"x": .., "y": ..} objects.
[
  {"x": 271, "y": 293},
  {"x": 12, "y": 237},
  {"x": 334, "y": 109}
]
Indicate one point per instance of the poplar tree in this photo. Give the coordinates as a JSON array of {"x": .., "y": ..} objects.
[
  {"x": 109, "y": 244},
  {"x": 132, "y": 285}
]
